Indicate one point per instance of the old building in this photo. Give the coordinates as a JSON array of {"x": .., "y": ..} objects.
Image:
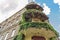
[{"x": 9, "y": 28}]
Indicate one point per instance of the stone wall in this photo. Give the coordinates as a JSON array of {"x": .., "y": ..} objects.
[{"x": 9, "y": 25}]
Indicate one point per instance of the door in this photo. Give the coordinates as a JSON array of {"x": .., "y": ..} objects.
[{"x": 38, "y": 38}]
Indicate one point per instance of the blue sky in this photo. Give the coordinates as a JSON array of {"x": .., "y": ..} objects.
[{"x": 54, "y": 15}]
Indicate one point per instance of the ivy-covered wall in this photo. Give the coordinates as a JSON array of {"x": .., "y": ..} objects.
[
  {"x": 37, "y": 25},
  {"x": 33, "y": 13},
  {"x": 26, "y": 23}
]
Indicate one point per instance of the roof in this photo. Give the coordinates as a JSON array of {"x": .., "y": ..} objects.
[{"x": 33, "y": 5}]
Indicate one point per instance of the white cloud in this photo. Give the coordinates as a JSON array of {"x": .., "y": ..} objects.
[
  {"x": 57, "y": 1},
  {"x": 9, "y": 7},
  {"x": 46, "y": 9}
]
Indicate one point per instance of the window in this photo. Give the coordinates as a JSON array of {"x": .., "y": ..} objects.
[
  {"x": 1, "y": 37},
  {"x": 13, "y": 32},
  {"x": 6, "y": 36}
]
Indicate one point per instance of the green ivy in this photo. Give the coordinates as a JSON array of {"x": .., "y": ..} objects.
[
  {"x": 19, "y": 37},
  {"x": 37, "y": 25},
  {"x": 25, "y": 25},
  {"x": 29, "y": 11},
  {"x": 53, "y": 38}
]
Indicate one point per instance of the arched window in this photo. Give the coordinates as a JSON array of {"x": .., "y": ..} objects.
[
  {"x": 13, "y": 32},
  {"x": 1, "y": 37},
  {"x": 6, "y": 36}
]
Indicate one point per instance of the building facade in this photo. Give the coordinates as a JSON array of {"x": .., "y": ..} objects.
[{"x": 9, "y": 28}]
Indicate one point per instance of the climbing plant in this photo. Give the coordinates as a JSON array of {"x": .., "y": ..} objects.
[
  {"x": 26, "y": 23},
  {"x": 20, "y": 36},
  {"x": 37, "y": 25}
]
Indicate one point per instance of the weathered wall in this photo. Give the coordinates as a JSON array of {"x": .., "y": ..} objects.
[{"x": 11, "y": 24}]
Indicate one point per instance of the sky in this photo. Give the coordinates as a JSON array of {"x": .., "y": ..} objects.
[{"x": 51, "y": 9}]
